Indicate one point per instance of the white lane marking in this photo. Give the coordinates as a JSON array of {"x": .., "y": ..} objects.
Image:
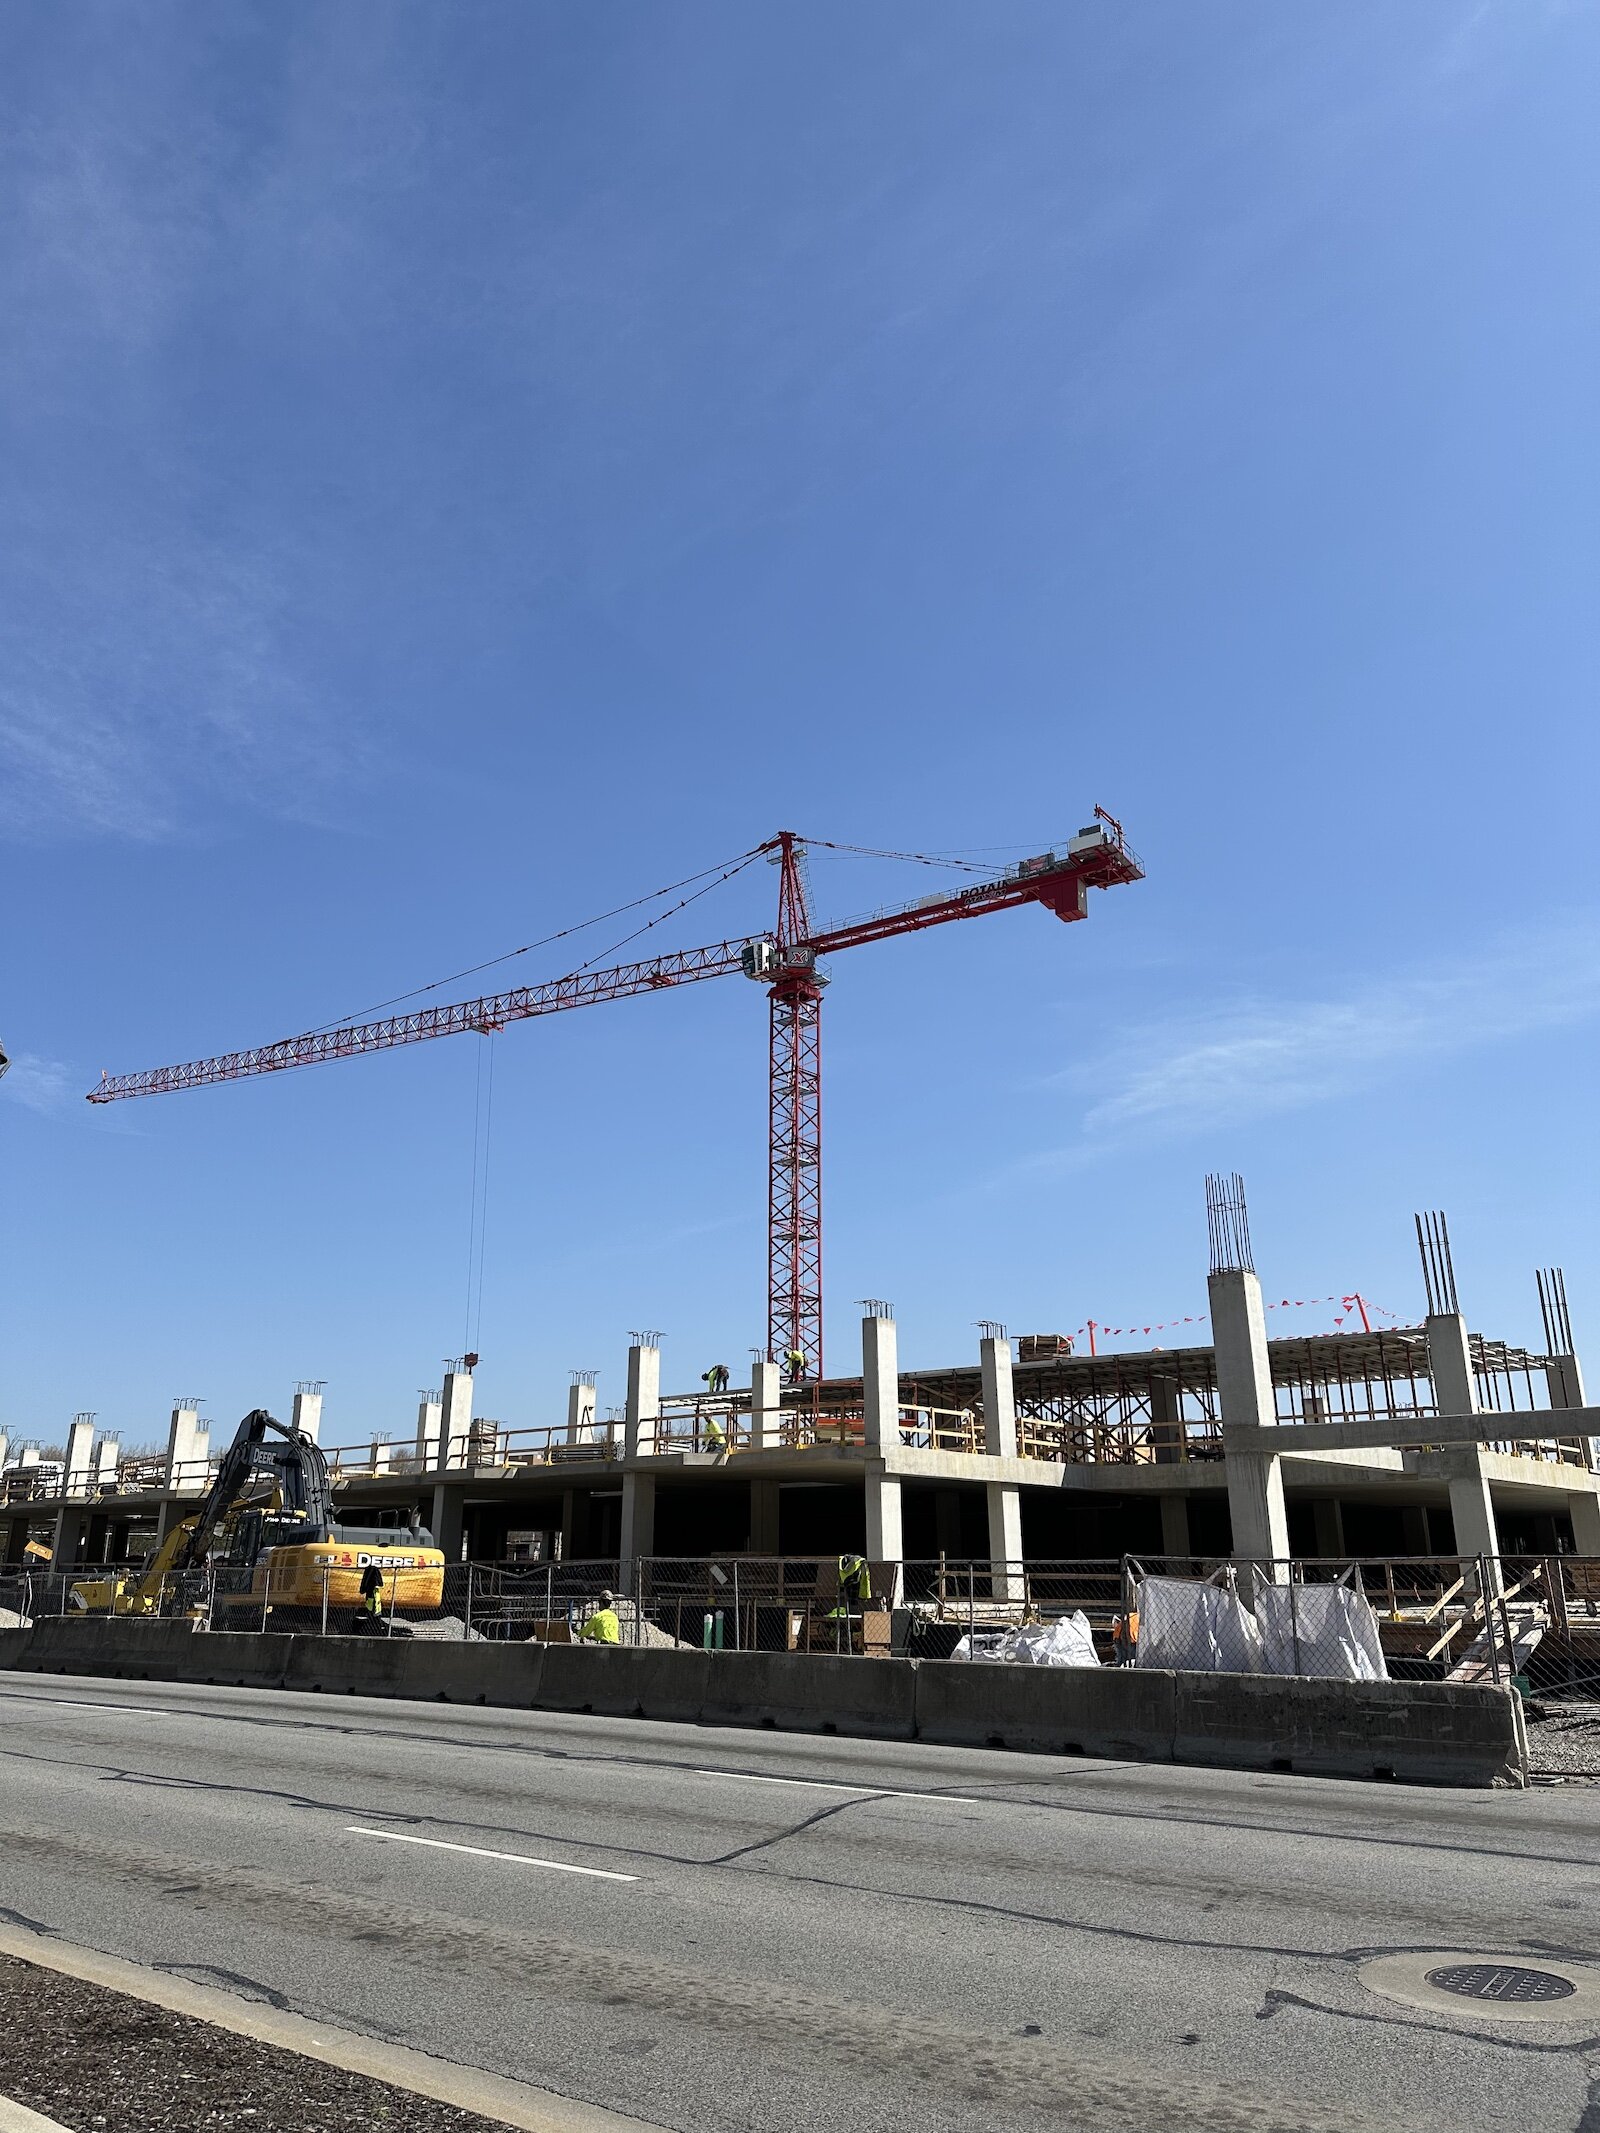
[
  {"x": 478, "y": 1851},
  {"x": 865, "y": 1792}
]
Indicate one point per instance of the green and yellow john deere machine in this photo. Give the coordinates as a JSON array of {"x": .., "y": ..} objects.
[{"x": 270, "y": 1511}]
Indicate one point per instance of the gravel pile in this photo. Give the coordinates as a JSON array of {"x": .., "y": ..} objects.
[
  {"x": 1563, "y": 1741},
  {"x": 447, "y": 1629},
  {"x": 100, "y": 2062}
]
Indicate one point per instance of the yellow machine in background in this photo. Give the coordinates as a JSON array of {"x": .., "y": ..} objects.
[
  {"x": 271, "y": 1510},
  {"x": 413, "y": 1577}
]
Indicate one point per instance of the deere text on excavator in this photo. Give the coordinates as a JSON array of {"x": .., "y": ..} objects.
[{"x": 270, "y": 1512}]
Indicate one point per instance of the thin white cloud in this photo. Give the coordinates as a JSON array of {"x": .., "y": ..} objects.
[
  {"x": 1249, "y": 1059},
  {"x": 47, "y": 1085}
]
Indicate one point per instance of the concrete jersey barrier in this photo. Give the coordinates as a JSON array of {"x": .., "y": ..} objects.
[{"x": 1427, "y": 1731}]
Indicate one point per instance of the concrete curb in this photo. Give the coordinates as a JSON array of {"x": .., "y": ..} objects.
[
  {"x": 17, "y": 2118},
  {"x": 469, "y": 2088}
]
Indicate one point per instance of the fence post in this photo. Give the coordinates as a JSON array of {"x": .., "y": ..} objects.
[
  {"x": 1294, "y": 1619},
  {"x": 738, "y": 1620},
  {"x": 327, "y": 1569},
  {"x": 394, "y": 1597},
  {"x": 1490, "y": 1633},
  {"x": 466, "y": 1620}
]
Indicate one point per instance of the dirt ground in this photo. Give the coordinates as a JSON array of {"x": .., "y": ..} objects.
[{"x": 101, "y": 2062}]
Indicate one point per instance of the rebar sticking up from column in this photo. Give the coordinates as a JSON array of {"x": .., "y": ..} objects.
[
  {"x": 1438, "y": 1273},
  {"x": 1228, "y": 1224},
  {"x": 1553, "y": 1310}
]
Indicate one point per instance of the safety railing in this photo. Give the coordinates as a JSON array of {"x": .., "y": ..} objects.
[
  {"x": 144, "y": 1476},
  {"x": 496, "y": 1448}
]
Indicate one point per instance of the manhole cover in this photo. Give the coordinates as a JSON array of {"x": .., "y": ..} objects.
[
  {"x": 1500, "y": 1981},
  {"x": 1477, "y": 1985}
]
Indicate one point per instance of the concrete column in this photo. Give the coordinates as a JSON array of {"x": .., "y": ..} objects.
[
  {"x": 1455, "y": 1390},
  {"x": 306, "y": 1414},
  {"x": 1585, "y": 1514},
  {"x": 382, "y": 1456},
  {"x": 106, "y": 1455},
  {"x": 448, "y": 1520},
  {"x": 766, "y": 1408},
  {"x": 1166, "y": 1422},
  {"x": 67, "y": 1539},
  {"x": 999, "y": 1407},
  {"x": 1564, "y": 1377},
  {"x": 642, "y": 1412},
  {"x": 1005, "y": 1537},
  {"x": 429, "y": 1414},
  {"x": 455, "y": 1419},
  {"x": 187, "y": 1444},
  {"x": 3, "y": 1442},
  {"x": 764, "y": 1516},
  {"x": 1471, "y": 1509},
  {"x": 880, "y": 1374},
  {"x": 1175, "y": 1526},
  {"x": 1328, "y": 1521},
  {"x": 638, "y": 1520},
  {"x": 884, "y": 1544},
  {"x": 1244, "y": 1392},
  {"x": 79, "y": 1461},
  {"x": 580, "y": 1410}
]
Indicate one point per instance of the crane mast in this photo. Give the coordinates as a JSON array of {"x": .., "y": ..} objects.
[{"x": 786, "y": 962}]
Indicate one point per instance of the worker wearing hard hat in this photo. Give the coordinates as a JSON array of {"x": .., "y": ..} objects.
[{"x": 602, "y": 1626}]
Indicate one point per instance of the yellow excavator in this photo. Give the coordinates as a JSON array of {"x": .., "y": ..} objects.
[{"x": 270, "y": 1511}]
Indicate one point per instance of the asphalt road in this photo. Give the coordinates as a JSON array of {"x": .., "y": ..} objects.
[{"x": 778, "y": 1933}]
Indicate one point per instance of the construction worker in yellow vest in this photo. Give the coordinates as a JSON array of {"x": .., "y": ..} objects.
[
  {"x": 716, "y": 1378},
  {"x": 855, "y": 1584},
  {"x": 794, "y": 1362},
  {"x": 716, "y": 1436},
  {"x": 602, "y": 1626}
]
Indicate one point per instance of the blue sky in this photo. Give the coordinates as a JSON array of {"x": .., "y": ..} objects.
[{"x": 464, "y": 468}]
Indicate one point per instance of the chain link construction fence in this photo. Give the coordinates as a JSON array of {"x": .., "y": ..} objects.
[{"x": 1530, "y": 1620}]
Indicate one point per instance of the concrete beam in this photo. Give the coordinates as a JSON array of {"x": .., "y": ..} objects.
[{"x": 1563, "y": 1424}]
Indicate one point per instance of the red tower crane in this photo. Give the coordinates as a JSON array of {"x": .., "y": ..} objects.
[{"x": 786, "y": 962}]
